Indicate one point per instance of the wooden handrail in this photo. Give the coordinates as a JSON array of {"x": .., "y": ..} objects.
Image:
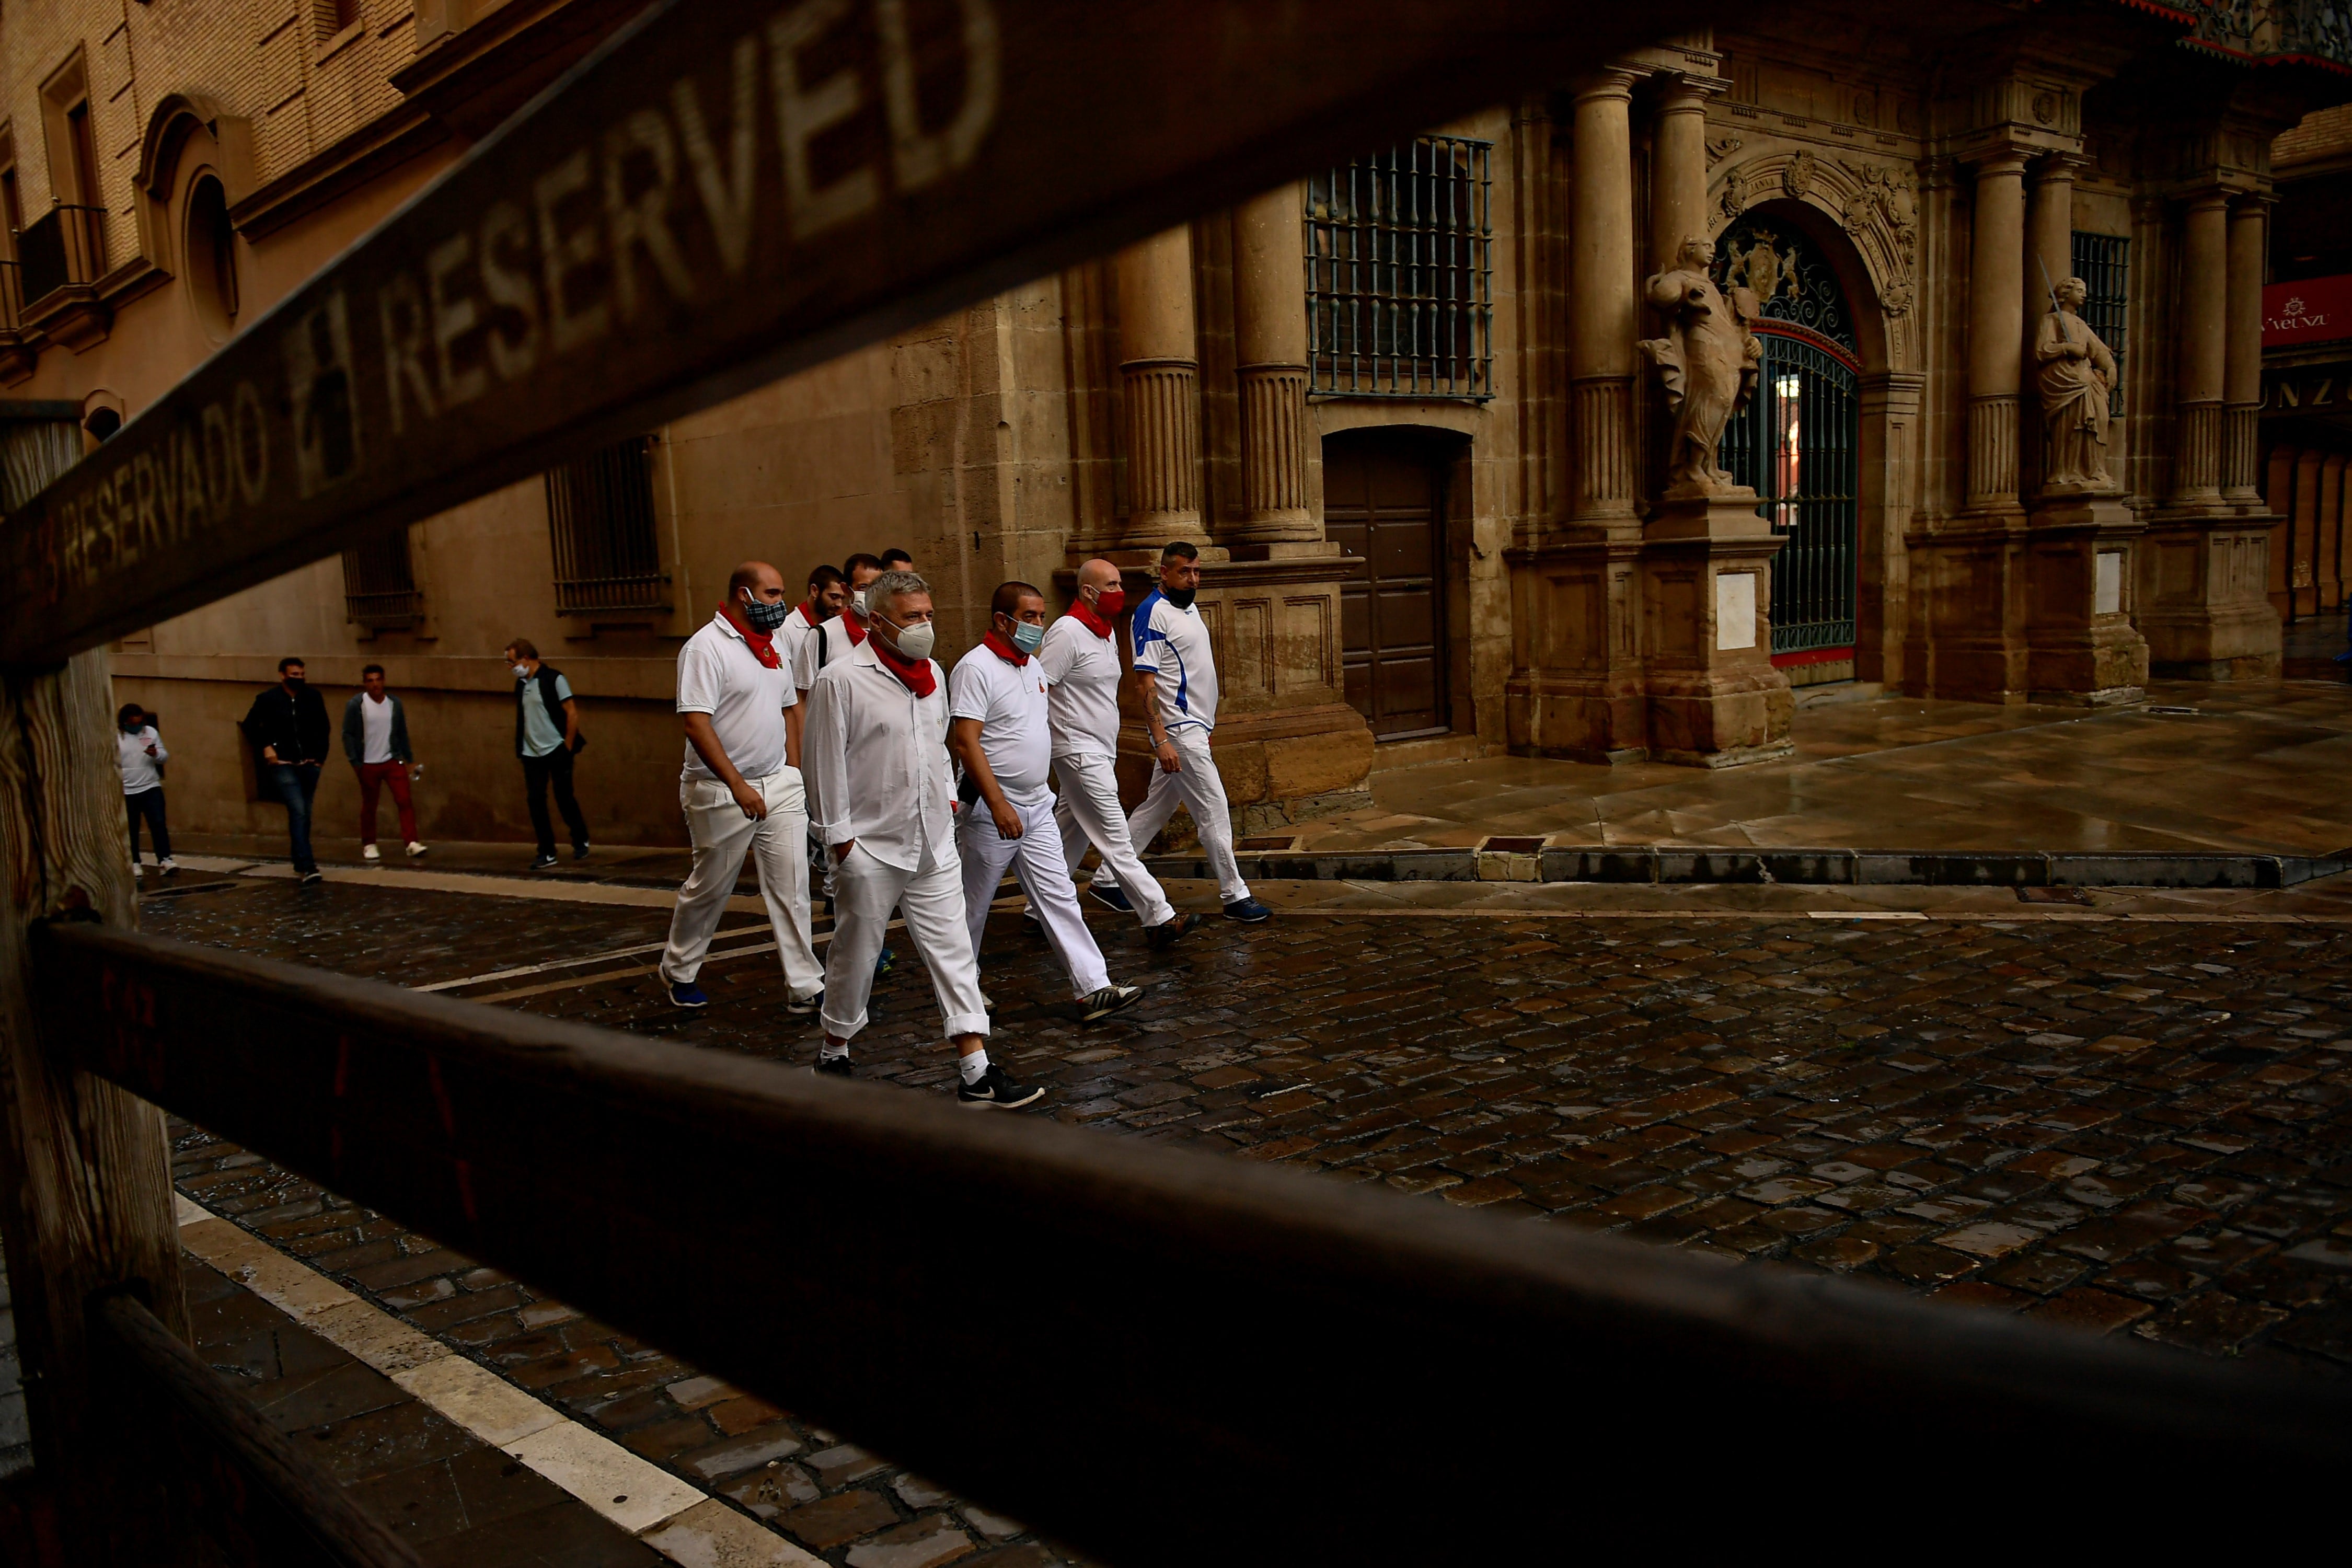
[
  {"x": 1163, "y": 1357},
  {"x": 963, "y": 171}
]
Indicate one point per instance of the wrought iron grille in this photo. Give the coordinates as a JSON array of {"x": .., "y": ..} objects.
[
  {"x": 1796, "y": 442},
  {"x": 2103, "y": 261},
  {"x": 1399, "y": 273},
  {"x": 2317, "y": 28},
  {"x": 65, "y": 245},
  {"x": 380, "y": 583},
  {"x": 599, "y": 516}
]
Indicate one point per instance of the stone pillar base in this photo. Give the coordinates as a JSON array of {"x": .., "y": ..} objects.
[
  {"x": 2080, "y": 645},
  {"x": 2205, "y": 607},
  {"x": 1577, "y": 692},
  {"x": 1715, "y": 699},
  {"x": 1966, "y": 578}
]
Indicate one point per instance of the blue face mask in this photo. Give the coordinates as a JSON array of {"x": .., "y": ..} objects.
[
  {"x": 761, "y": 616},
  {"x": 1028, "y": 637}
]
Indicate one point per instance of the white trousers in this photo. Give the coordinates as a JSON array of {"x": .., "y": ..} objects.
[
  {"x": 1194, "y": 784},
  {"x": 1036, "y": 861},
  {"x": 778, "y": 843},
  {"x": 931, "y": 897},
  {"x": 1087, "y": 811}
]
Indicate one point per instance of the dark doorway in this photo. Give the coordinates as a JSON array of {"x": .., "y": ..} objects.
[{"x": 1384, "y": 498}]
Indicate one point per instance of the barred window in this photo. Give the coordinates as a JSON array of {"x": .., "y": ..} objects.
[
  {"x": 2103, "y": 261},
  {"x": 380, "y": 583},
  {"x": 1399, "y": 267},
  {"x": 599, "y": 516}
]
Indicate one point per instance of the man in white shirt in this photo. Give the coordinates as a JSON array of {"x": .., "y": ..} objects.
[
  {"x": 740, "y": 789},
  {"x": 375, "y": 742},
  {"x": 1176, "y": 675},
  {"x": 1080, "y": 658},
  {"x": 827, "y": 593},
  {"x": 139, "y": 754},
  {"x": 878, "y": 764},
  {"x": 1000, "y": 734},
  {"x": 834, "y": 638}
]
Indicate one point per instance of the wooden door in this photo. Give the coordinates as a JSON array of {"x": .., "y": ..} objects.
[{"x": 1384, "y": 498}]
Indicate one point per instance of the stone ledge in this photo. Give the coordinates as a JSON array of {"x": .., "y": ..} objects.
[{"x": 1821, "y": 868}]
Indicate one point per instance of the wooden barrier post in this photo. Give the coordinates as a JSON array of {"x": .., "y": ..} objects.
[{"x": 85, "y": 1171}]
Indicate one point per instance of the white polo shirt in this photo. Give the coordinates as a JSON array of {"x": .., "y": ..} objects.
[
  {"x": 790, "y": 635},
  {"x": 719, "y": 675},
  {"x": 825, "y": 644},
  {"x": 1009, "y": 700},
  {"x": 1174, "y": 644},
  {"x": 1082, "y": 677}
]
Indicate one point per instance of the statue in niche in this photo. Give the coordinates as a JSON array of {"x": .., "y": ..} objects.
[
  {"x": 1708, "y": 364},
  {"x": 2075, "y": 373}
]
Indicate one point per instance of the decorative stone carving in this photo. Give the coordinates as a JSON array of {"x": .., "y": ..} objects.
[
  {"x": 2075, "y": 374},
  {"x": 1797, "y": 178},
  {"x": 1875, "y": 204},
  {"x": 1718, "y": 148},
  {"x": 1708, "y": 364},
  {"x": 1882, "y": 207}
]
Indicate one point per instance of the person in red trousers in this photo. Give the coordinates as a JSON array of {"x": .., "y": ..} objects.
[{"x": 375, "y": 739}]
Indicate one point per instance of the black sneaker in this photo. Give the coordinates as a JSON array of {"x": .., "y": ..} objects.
[
  {"x": 994, "y": 1092},
  {"x": 801, "y": 1007},
  {"x": 544, "y": 861},
  {"x": 1165, "y": 933},
  {"x": 311, "y": 877},
  {"x": 1249, "y": 912},
  {"x": 1107, "y": 1000},
  {"x": 579, "y": 852},
  {"x": 1110, "y": 895},
  {"x": 834, "y": 1066}
]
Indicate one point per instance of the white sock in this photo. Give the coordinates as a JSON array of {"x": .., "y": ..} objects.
[
  {"x": 974, "y": 1065},
  {"x": 833, "y": 1052}
]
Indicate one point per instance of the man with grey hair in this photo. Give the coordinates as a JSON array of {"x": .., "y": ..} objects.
[
  {"x": 877, "y": 764},
  {"x": 1080, "y": 660}
]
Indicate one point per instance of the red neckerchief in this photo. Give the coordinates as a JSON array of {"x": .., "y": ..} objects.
[
  {"x": 856, "y": 627},
  {"x": 1091, "y": 621},
  {"x": 1004, "y": 650},
  {"x": 809, "y": 614},
  {"x": 914, "y": 674},
  {"x": 762, "y": 644}
]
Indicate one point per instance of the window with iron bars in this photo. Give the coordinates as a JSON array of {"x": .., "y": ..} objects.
[
  {"x": 599, "y": 517},
  {"x": 2103, "y": 261},
  {"x": 1399, "y": 268},
  {"x": 380, "y": 583}
]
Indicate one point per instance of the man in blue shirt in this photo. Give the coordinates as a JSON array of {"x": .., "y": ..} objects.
[{"x": 547, "y": 737}]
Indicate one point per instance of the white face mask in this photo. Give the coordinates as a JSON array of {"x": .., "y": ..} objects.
[
  {"x": 857, "y": 603},
  {"x": 522, "y": 672},
  {"x": 914, "y": 641}
]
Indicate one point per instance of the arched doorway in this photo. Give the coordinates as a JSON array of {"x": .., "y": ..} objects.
[
  {"x": 1385, "y": 500},
  {"x": 1799, "y": 440}
]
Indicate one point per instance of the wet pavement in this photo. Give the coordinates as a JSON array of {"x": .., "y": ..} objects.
[{"x": 2123, "y": 1113}]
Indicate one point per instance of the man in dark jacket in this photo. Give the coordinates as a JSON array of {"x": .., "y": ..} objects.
[
  {"x": 547, "y": 737},
  {"x": 287, "y": 728},
  {"x": 375, "y": 740}
]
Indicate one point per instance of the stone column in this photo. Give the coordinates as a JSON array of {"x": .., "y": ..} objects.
[
  {"x": 1601, "y": 335},
  {"x": 2048, "y": 256},
  {"x": 1677, "y": 169},
  {"x": 2204, "y": 331},
  {"x": 1160, "y": 366},
  {"x": 1270, "y": 354},
  {"x": 1996, "y": 330},
  {"x": 2242, "y": 376}
]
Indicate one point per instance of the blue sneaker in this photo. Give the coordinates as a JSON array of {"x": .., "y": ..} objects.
[
  {"x": 1249, "y": 912},
  {"x": 1112, "y": 895},
  {"x": 687, "y": 995},
  {"x": 883, "y": 961}
]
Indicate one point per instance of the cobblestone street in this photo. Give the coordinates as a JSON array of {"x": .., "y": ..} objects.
[{"x": 2122, "y": 1125}]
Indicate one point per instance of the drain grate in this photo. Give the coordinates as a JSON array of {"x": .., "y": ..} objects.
[
  {"x": 2052, "y": 896},
  {"x": 1512, "y": 846}
]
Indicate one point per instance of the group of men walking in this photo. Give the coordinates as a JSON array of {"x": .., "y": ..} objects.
[{"x": 828, "y": 724}]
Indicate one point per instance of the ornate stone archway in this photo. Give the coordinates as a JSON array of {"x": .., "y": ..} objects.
[{"x": 1873, "y": 204}]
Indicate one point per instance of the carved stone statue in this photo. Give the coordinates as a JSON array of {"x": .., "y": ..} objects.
[
  {"x": 1708, "y": 364},
  {"x": 2075, "y": 373}
]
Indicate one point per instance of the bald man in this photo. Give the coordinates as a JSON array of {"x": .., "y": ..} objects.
[
  {"x": 1080, "y": 662},
  {"x": 740, "y": 789}
]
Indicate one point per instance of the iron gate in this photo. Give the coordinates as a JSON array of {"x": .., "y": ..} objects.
[{"x": 1795, "y": 443}]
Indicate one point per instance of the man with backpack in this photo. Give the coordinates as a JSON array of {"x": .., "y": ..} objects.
[{"x": 547, "y": 739}]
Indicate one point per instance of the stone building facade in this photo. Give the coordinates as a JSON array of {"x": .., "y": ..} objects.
[{"x": 1402, "y": 404}]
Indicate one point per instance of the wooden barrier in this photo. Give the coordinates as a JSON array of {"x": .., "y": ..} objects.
[{"x": 1163, "y": 1357}]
